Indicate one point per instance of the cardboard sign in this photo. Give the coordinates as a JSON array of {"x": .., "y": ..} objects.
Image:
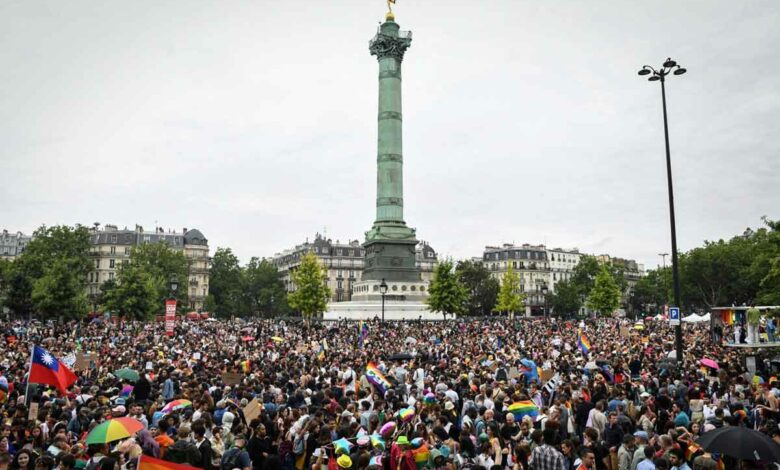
[
  {"x": 149, "y": 365},
  {"x": 546, "y": 375},
  {"x": 33, "y": 414},
  {"x": 252, "y": 410},
  {"x": 196, "y": 356},
  {"x": 85, "y": 361},
  {"x": 625, "y": 332},
  {"x": 232, "y": 378}
]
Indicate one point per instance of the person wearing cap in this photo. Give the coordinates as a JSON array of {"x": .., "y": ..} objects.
[
  {"x": 401, "y": 455},
  {"x": 641, "y": 440}
]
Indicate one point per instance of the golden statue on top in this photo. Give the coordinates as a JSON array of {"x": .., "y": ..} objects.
[{"x": 390, "y": 16}]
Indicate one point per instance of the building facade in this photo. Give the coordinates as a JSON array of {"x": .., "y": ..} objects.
[
  {"x": 12, "y": 244},
  {"x": 111, "y": 247},
  {"x": 343, "y": 262},
  {"x": 532, "y": 265}
]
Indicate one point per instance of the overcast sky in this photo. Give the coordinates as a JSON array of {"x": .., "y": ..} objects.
[{"x": 524, "y": 121}]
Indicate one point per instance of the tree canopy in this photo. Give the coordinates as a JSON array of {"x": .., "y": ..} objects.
[
  {"x": 481, "y": 286},
  {"x": 510, "y": 299},
  {"x": 446, "y": 293},
  {"x": 311, "y": 293}
]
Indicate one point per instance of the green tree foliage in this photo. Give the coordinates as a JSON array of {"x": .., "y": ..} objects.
[
  {"x": 135, "y": 296},
  {"x": 263, "y": 293},
  {"x": 510, "y": 299},
  {"x": 225, "y": 284},
  {"x": 311, "y": 293},
  {"x": 566, "y": 300},
  {"x": 48, "y": 279},
  {"x": 480, "y": 285},
  {"x": 584, "y": 276},
  {"x": 653, "y": 291},
  {"x": 144, "y": 283},
  {"x": 605, "y": 295},
  {"x": 446, "y": 293}
]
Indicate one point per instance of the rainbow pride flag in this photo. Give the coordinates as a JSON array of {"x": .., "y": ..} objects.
[
  {"x": 524, "y": 408},
  {"x": 376, "y": 378},
  {"x": 362, "y": 333},
  {"x": 321, "y": 353},
  {"x": 421, "y": 455},
  {"x": 583, "y": 343},
  {"x": 149, "y": 463}
]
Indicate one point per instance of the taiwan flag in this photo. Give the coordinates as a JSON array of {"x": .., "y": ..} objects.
[{"x": 46, "y": 369}]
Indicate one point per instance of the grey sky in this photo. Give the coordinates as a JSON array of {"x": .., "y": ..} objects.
[{"x": 524, "y": 121}]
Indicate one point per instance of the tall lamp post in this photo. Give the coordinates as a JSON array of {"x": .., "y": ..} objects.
[
  {"x": 544, "y": 296},
  {"x": 383, "y": 291},
  {"x": 669, "y": 67}
]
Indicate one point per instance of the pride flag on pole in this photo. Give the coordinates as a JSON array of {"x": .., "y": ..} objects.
[
  {"x": 583, "y": 343},
  {"x": 149, "y": 463},
  {"x": 376, "y": 378}
]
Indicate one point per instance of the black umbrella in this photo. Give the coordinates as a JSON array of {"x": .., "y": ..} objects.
[
  {"x": 741, "y": 443},
  {"x": 401, "y": 356}
]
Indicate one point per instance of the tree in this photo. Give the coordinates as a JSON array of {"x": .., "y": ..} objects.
[
  {"x": 480, "y": 285},
  {"x": 654, "y": 288},
  {"x": 144, "y": 283},
  {"x": 225, "y": 284},
  {"x": 446, "y": 294},
  {"x": 135, "y": 296},
  {"x": 584, "y": 276},
  {"x": 48, "y": 278},
  {"x": 605, "y": 295},
  {"x": 161, "y": 264},
  {"x": 510, "y": 299},
  {"x": 263, "y": 292},
  {"x": 566, "y": 299},
  {"x": 311, "y": 293}
]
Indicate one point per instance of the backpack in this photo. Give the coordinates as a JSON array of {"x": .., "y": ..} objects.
[{"x": 231, "y": 460}]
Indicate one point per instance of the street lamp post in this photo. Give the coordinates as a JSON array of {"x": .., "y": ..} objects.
[
  {"x": 544, "y": 296},
  {"x": 174, "y": 286},
  {"x": 383, "y": 291},
  {"x": 669, "y": 67}
]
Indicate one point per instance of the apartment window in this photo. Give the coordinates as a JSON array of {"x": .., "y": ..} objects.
[
  {"x": 97, "y": 264},
  {"x": 339, "y": 273},
  {"x": 111, "y": 263},
  {"x": 113, "y": 250},
  {"x": 514, "y": 264},
  {"x": 90, "y": 277},
  {"x": 113, "y": 238},
  {"x": 339, "y": 252},
  {"x": 554, "y": 279},
  {"x": 352, "y": 274},
  {"x": 175, "y": 240},
  {"x": 338, "y": 285},
  {"x": 111, "y": 276},
  {"x": 127, "y": 250},
  {"x": 351, "y": 252},
  {"x": 147, "y": 238}
]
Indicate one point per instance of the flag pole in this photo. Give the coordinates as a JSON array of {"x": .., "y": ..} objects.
[{"x": 29, "y": 374}]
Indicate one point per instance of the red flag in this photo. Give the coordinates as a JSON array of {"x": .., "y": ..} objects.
[{"x": 46, "y": 369}]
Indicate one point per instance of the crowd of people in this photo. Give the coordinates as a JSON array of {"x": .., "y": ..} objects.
[{"x": 593, "y": 394}]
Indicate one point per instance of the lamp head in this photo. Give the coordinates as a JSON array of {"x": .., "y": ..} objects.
[
  {"x": 669, "y": 63},
  {"x": 644, "y": 72},
  {"x": 383, "y": 287},
  {"x": 174, "y": 283},
  {"x": 654, "y": 78},
  {"x": 680, "y": 71}
]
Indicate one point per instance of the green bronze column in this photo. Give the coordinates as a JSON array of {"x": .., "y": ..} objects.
[
  {"x": 389, "y": 46},
  {"x": 390, "y": 244}
]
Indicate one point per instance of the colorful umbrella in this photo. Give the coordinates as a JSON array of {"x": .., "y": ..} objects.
[
  {"x": 709, "y": 363},
  {"x": 176, "y": 405},
  {"x": 114, "y": 430},
  {"x": 277, "y": 339},
  {"x": 127, "y": 374}
]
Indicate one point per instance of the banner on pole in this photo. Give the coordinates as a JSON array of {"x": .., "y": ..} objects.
[{"x": 170, "y": 316}]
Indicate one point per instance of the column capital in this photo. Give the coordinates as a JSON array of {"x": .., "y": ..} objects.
[{"x": 389, "y": 42}]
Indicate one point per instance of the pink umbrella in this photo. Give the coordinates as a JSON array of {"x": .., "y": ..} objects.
[{"x": 709, "y": 363}]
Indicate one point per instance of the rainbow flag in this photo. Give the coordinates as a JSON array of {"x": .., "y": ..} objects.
[
  {"x": 362, "y": 333},
  {"x": 149, "y": 463},
  {"x": 127, "y": 390},
  {"x": 524, "y": 408},
  {"x": 321, "y": 353},
  {"x": 246, "y": 366},
  {"x": 421, "y": 455},
  {"x": 376, "y": 378},
  {"x": 691, "y": 451},
  {"x": 583, "y": 343}
]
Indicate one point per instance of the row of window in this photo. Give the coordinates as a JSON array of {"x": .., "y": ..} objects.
[{"x": 517, "y": 254}]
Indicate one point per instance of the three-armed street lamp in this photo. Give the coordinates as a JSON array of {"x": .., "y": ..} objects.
[
  {"x": 383, "y": 291},
  {"x": 669, "y": 67}
]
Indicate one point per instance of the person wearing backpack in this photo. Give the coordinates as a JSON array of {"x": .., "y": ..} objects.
[
  {"x": 236, "y": 457},
  {"x": 183, "y": 451}
]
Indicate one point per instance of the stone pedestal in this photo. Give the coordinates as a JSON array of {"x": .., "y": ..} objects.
[{"x": 370, "y": 309}]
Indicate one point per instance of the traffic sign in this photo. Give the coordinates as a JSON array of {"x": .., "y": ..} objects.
[{"x": 674, "y": 316}]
